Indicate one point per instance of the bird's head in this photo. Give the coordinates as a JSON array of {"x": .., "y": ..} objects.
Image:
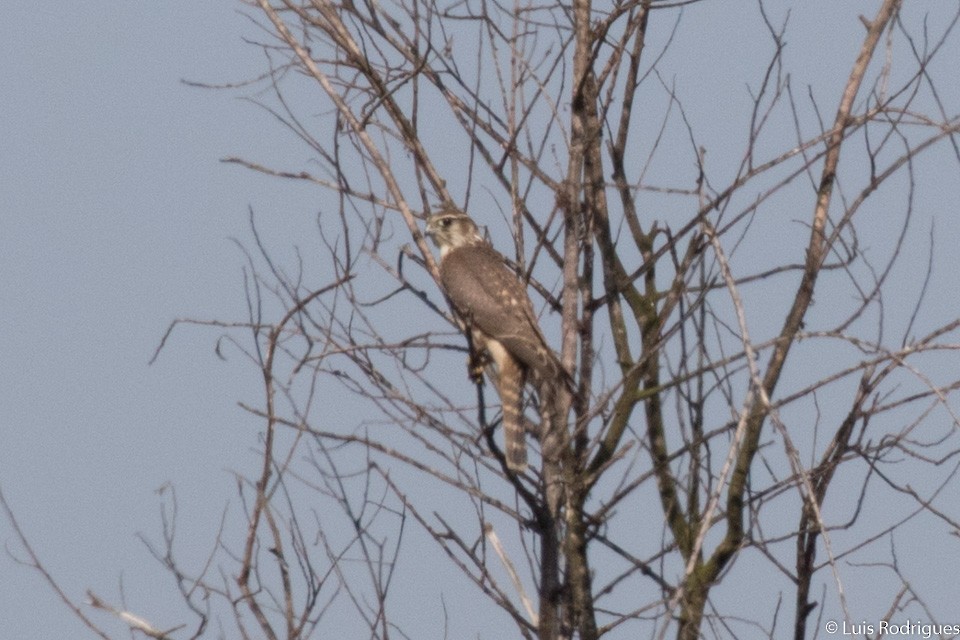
[{"x": 450, "y": 229}]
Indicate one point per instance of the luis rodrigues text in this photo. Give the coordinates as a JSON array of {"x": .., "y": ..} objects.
[{"x": 903, "y": 629}]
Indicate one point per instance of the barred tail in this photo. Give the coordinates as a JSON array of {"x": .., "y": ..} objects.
[{"x": 514, "y": 434}]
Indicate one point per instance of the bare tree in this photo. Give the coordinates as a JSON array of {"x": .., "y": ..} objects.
[{"x": 758, "y": 403}]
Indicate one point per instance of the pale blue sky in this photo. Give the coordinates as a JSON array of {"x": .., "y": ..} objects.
[{"x": 116, "y": 217}]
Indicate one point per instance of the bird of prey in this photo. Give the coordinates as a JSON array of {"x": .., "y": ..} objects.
[{"x": 495, "y": 306}]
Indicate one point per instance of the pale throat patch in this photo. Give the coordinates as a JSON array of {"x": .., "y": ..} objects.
[{"x": 455, "y": 241}]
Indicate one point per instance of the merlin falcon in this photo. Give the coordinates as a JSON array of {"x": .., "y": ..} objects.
[{"x": 494, "y": 304}]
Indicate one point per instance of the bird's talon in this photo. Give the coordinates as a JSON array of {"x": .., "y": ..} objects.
[{"x": 476, "y": 363}]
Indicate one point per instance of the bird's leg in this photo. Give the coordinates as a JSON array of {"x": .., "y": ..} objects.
[
  {"x": 476, "y": 364},
  {"x": 479, "y": 359}
]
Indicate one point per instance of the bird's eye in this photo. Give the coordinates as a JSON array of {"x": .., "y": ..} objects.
[{"x": 445, "y": 222}]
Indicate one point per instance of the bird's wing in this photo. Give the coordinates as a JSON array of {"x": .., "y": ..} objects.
[{"x": 489, "y": 296}]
